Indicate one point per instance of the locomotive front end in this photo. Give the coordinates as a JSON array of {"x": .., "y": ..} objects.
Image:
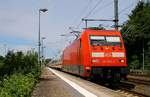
[{"x": 108, "y": 56}]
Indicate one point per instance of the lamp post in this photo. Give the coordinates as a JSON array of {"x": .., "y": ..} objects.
[
  {"x": 39, "y": 37},
  {"x": 42, "y": 50}
]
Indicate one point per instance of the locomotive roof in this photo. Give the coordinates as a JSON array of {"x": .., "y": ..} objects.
[
  {"x": 101, "y": 32},
  {"x": 90, "y": 31}
]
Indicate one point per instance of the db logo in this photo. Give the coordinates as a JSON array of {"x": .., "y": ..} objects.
[{"x": 108, "y": 55}]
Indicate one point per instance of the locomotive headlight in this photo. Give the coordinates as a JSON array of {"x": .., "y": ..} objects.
[
  {"x": 122, "y": 61},
  {"x": 97, "y": 54},
  {"x": 118, "y": 54},
  {"x": 87, "y": 68},
  {"x": 95, "y": 60}
]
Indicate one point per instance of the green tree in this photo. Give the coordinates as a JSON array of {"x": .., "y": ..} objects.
[
  {"x": 136, "y": 32},
  {"x": 2, "y": 58},
  {"x": 1, "y": 61},
  {"x": 19, "y": 62},
  {"x": 135, "y": 64}
]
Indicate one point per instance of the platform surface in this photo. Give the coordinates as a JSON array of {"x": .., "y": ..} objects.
[{"x": 54, "y": 83}]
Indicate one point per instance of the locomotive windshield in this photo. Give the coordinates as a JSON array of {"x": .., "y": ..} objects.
[{"x": 105, "y": 40}]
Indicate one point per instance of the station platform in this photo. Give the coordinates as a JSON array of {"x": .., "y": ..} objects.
[
  {"x": 54, "y": 83},
  {"x": 50, "y": 86}
]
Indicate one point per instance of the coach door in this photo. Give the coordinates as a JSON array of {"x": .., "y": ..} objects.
[{"x": 81, "y": 68}]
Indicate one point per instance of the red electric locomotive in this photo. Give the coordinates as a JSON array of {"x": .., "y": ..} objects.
[{"x": 96, "y": 54}]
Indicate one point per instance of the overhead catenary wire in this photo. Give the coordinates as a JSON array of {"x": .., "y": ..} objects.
[
  {"x": 126, "y": 8},
  {"x": 96, "y": 5},
  {"x": 90, "y": 12},
  {"x": 143, "y": 26},
  {"x": 102, "y": 7},
  {"x": 128, "y": 30},
  {"x": 83, "y": 10},
  {"x": 106, "y": 5},
  {"x": 133, "y": 29}
]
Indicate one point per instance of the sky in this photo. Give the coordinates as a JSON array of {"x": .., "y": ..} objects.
[{"x": 19, "y": 21}]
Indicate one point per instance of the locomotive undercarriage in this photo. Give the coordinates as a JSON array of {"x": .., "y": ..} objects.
[{"x": 109, "y": 75}]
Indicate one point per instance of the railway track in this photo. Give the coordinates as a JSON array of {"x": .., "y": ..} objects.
[
  {"x": 129, "y": 93},
  {"x": 130, "y": 89},
  {"x": 139, "y": 80},
  {"x": 139, "y": 85}
]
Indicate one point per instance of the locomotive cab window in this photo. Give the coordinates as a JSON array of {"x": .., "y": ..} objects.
[{"x": 105, "y": 41}]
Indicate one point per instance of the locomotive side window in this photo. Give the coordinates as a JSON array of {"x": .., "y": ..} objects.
[{"x": 105, "y": 40}]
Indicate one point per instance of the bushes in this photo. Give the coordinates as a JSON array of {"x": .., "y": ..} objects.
[
  {"x": 18, "y": 85},
  {"x": 18, "y": 72},
  {"x": 19, "y": 62},
  {"x": 135, "y": 64}
]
